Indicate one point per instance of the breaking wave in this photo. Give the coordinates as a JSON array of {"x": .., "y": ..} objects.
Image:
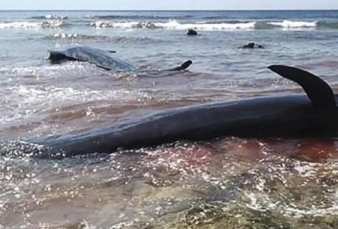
[
  {"x": 216, "y": 25},
  {"x": 55, "y": 21},
  {"x": 50, "y": 16},
  {"x": 31, "y": 25},
  {"x": 74, "y": 36},
  {"x": 116, "y": 39},
  {"x": 294, "y": 24},
  {"x": 174, "y": 25},
  {"x": 132, "y": 17}
]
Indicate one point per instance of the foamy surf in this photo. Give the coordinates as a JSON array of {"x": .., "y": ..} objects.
[
  {"x": 171, "y": 24},
  {"x": 222, "y": 26},
  {"x": 29, "y": 100},
  {"x": 88, "y": 37},
  {"x": 294, "y": 24},
  {"x": 174, "y": 25},
  {"x": 50, "y": 16},
  {"x": 31, "y": 25}
]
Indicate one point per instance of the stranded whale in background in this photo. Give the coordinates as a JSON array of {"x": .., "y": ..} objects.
[
  {"x": 100, "y": 58},
  {"x": 297, "y": 115}
]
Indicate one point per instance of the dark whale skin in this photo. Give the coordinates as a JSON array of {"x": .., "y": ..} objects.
[{"x": 278, "y": 116}]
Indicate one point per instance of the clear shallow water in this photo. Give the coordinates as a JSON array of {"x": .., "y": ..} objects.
[{"x": 236, "y": 182}]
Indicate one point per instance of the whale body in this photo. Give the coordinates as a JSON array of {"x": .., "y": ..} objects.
[
  {"x": 314, "y": 114},
  {"x": 100, "y": 58}
]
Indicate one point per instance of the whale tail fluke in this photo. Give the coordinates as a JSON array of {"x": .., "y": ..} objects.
[
  {"x": 56, "y": 57},
  {"x": 183, "y": 66},
  {"x": 318, "y": 91}
]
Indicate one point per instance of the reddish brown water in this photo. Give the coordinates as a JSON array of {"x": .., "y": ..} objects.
[{"x": 200, "y": 184}]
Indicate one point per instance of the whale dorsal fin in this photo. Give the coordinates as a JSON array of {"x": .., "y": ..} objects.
[{"x": 318, "y": 91}]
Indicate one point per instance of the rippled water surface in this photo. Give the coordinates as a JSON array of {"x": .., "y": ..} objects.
[{"x": 224, "y": 183}]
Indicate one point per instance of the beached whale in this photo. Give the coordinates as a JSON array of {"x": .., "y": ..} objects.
[
  {"x": 101, "y": 58},
  {"x": 297, "y": 115}
]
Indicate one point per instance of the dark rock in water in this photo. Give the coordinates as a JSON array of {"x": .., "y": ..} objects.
[
  {"x": 252, "y": 45},
  {"x": 192, "y": 32},
  {"x": 249, "y": 46}
]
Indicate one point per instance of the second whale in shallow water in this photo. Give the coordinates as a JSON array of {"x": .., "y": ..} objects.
[
  {"x": 314, "y": 114},
  {"x": 101, "y": 58}
]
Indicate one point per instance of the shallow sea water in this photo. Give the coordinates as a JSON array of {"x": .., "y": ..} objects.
[{"x": 224, "y": 183}]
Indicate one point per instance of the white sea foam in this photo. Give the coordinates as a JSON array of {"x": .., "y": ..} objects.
[
  {"x": 221, "y": 26},
  {"x": 25, "y": 101},
  {"x": 312, "y": 212},
  {"x": 66, "y": 35},
  {"x": 105, "y": 24},
  {"x": 30, "y": 25},
  {"x": 294, "y": 24},
  {"x": 175, "y": 25},
  {"x": 50, "y": 16}
]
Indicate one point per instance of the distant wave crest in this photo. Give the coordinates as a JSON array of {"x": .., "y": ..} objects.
[
  {"x": 214, "y": 25},
  {"x": 294, "y": 24},
  {"x": 174, "y": 25},
  {"x": 130, "y": 17},
  {"x": 117, "y": 39},
  {"x": 50, "y": 16},
  {"x": 57, "y": 22},
  {"x": 31, "y": 25}
]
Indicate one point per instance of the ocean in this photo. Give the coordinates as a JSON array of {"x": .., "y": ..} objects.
[{"x": 224, "y": 183}]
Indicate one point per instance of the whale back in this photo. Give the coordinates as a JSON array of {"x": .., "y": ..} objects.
[
  {"x": 100, "y": 58},
  {"x": 276, "y": 116},
  {"x": 318, "y": 91}
]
